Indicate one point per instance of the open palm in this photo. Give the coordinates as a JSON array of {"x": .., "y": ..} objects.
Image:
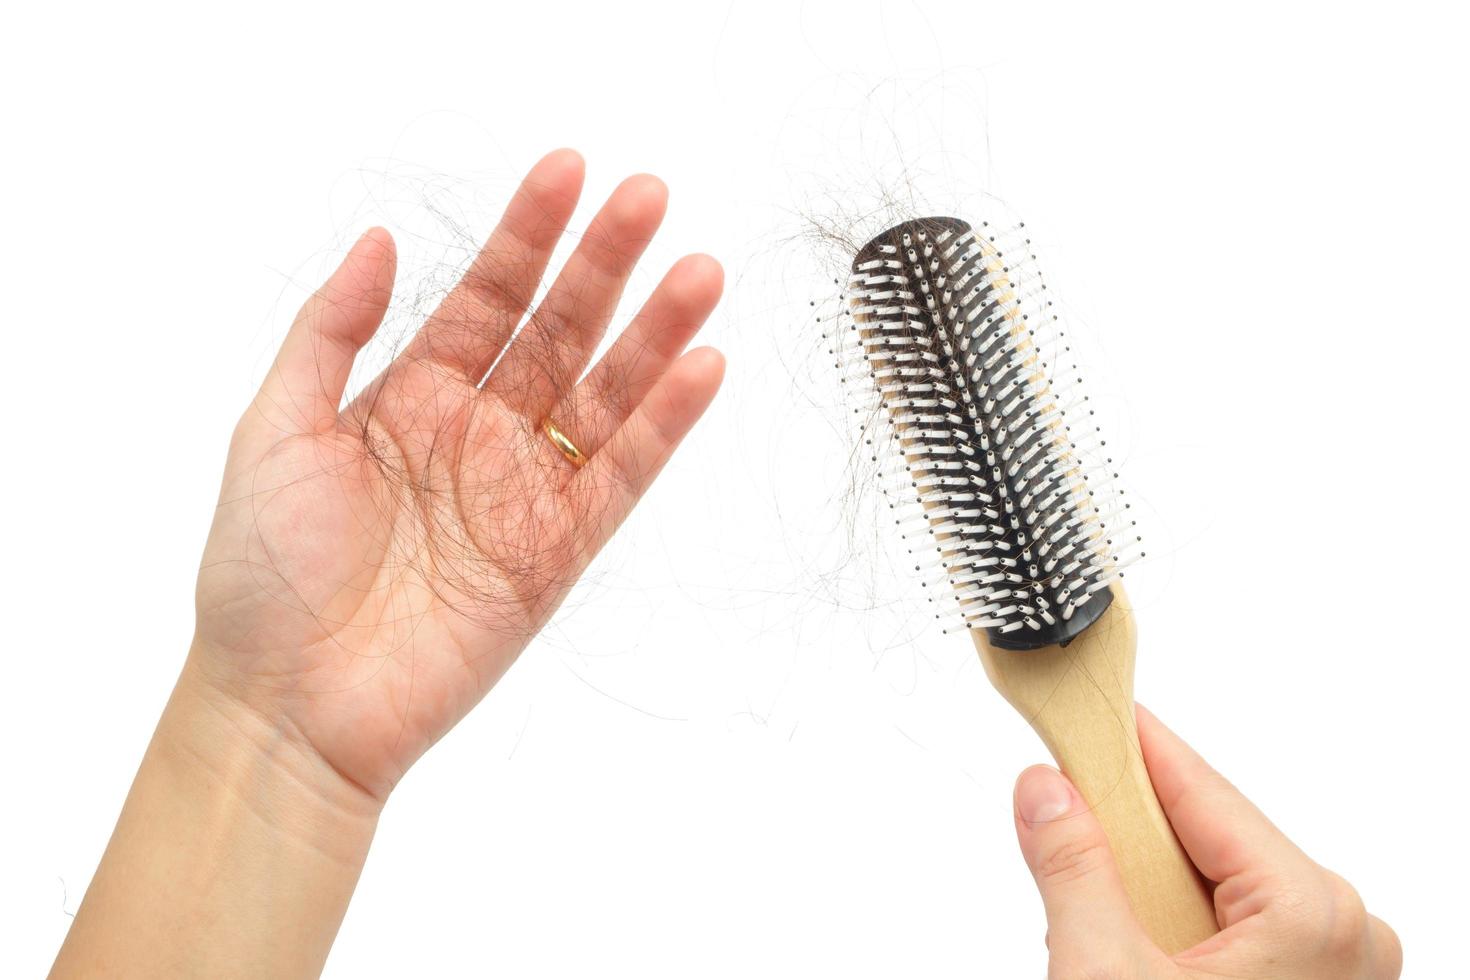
[{"x": 373, "y": 570}]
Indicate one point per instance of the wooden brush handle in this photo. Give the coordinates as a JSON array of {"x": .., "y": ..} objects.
[{"x": 1079, "y": 698}]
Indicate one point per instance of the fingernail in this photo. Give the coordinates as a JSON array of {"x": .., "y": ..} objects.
[{"x": 1042, "y": 795}]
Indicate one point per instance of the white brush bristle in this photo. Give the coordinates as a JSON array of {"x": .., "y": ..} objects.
[{"x": 956, "y": 334}]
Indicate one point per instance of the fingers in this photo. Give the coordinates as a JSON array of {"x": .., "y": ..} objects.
[
  {"x": 303, "y": 390},
  {"x": 1089, "y": 919},
  {"x": 617, "y": 476},
  {"x": 472, "y": 325},
  {"x": 637, "y": 360},
  {"x": 1225, "y": 835},
  {"x": 550, "y": 352},
  {"x": 1320, "y": 917}
]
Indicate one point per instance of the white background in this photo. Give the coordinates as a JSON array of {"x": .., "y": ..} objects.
[{"x": 741, "y": 750}]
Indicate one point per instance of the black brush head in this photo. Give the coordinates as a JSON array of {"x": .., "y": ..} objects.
[{"x": 955, "y": 336}]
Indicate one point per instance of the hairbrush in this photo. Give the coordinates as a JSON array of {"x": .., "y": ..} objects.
[{"x": 1021, "y": 523}]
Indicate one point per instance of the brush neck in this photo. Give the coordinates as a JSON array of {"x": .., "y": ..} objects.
[{"x": 1079, "y": 699}]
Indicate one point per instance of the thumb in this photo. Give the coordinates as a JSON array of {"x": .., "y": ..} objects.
[
  {"x": 303, "y": 390},
  {"x": 1088, "y": 916}
]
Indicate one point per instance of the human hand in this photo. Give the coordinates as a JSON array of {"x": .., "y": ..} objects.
[
  {"x": 373, "y": 571},
  {"x": 1281, "y": 915}
]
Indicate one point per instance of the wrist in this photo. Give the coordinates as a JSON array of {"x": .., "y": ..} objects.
[
  {"x": 257, "y": 767},
  {"x": 236, "y": 853}
]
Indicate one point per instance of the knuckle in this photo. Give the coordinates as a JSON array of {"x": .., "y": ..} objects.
[
  {"x": 501, "y": 286},
  {"x": 1389, "y": 950},
  {"x": 1343, "y": 925},
  {"x": 1074, "y": 859}
]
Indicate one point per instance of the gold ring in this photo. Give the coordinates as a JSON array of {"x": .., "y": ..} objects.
[{"x": 558, "y": 439}]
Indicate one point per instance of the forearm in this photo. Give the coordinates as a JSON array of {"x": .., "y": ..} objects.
[{"x": 236, "y": 853}]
